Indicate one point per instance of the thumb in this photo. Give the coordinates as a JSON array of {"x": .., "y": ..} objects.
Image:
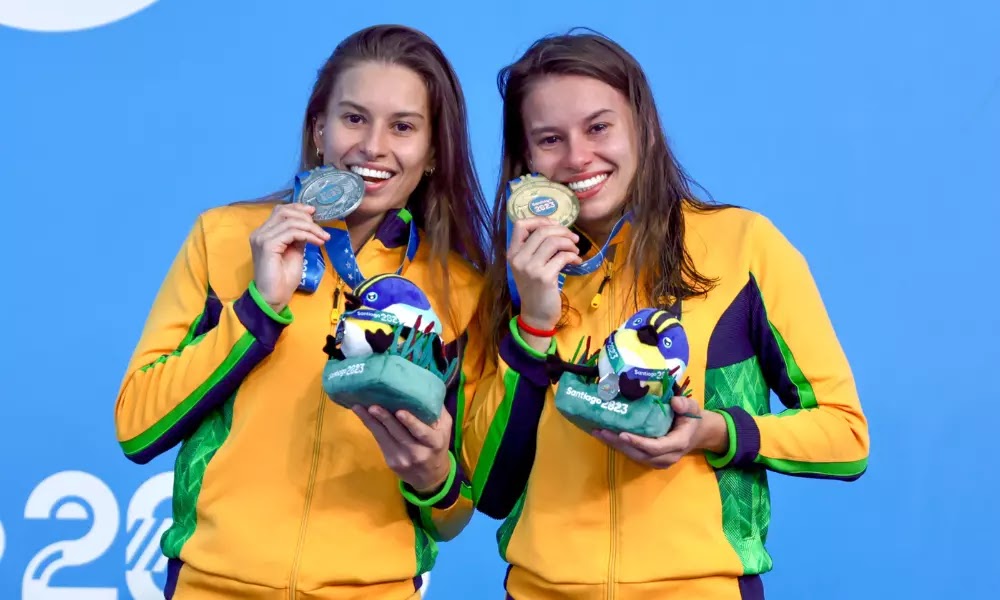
[
  {"x": 685, "y": 407},
  {"x": 445, "y": 420}
]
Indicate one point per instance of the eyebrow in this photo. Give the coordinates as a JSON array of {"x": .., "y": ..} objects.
[
  {"x": 590, "y": 117},
  {"x": 406, "y": 114}
]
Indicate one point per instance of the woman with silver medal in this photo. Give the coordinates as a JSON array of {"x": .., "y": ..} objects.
[{"x": 279, "y": 491}]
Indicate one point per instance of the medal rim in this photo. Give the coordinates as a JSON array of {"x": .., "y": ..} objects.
[{"x": 529, "y": 183}]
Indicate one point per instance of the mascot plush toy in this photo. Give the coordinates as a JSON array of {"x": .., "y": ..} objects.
[
  {"x": 628, "y": 383},
  {"x": 388, "y": 350},
  {"x": 638, "y": 354}
]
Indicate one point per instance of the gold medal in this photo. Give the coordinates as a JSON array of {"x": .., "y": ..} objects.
[{"x": 537, "y": 196}]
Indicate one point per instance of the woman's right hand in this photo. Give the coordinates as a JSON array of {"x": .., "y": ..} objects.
[
  {"x": 278, "y": 248},
  {"x": 539, "y": 249}
]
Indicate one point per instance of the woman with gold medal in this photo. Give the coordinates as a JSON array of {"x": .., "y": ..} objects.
[{"x": 593, "y": 508}]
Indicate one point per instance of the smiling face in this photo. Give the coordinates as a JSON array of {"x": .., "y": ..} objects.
[
  {"x": 581, "y": 132},
  {"x": 378, "y": 124}
]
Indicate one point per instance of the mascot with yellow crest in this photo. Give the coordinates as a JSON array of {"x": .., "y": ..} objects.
[{"x": 627, "y": 385}]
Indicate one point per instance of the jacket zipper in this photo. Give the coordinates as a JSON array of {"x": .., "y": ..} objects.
[
  {"x": 314, "y": 466},
  {"x": 612, "y": 484}
]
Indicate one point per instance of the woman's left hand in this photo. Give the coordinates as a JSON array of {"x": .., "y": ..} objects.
[
  {"x": 700, "y": 431},
  {"x": 416, "y": 452}
]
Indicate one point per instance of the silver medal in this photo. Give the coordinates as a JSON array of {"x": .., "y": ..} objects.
[
  {"x": 607, "y": 387},
  {"x": 334, "y": 193}
]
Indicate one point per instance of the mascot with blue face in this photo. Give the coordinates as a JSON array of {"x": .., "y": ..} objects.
[
  {"x": 388, "y": 350},
  {"x": 627, "y": 385}
]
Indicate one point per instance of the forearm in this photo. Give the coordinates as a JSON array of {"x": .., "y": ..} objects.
[
  {"x": 505, "y": 425},
  {"x": 163, "y": 400},
  {"x": 713, "y": 434},
  {"x": 445, "y": 509}
]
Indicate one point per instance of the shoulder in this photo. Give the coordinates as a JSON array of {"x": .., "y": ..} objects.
[
  {"x": 240, "y": 217},
  {"x": 737, "y": 236},
  {"x": 715, "y": 233},
  {"x": 733, "y": 235},
  {"x": 230, "y": 225},
  {"x": 719, "y": 222}
]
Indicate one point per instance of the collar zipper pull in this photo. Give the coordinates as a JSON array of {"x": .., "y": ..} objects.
[
  {"x": 596, "y": 300},
  {"x": 335, "y": 312}
]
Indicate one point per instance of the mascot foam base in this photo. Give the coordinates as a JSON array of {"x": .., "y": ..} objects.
[
  {"x": 388, "y": 351},
  {"x": 627, "y": 385}
]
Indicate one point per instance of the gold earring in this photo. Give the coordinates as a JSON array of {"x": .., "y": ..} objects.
[{"x": 429, "y": 171}]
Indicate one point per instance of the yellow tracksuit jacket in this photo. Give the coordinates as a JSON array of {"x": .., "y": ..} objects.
[
  {"x": 279, "y": 492},
  {"x": 582, "y": 521}
]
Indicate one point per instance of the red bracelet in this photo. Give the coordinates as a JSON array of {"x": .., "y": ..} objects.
[{"x": 535, "y": 332}]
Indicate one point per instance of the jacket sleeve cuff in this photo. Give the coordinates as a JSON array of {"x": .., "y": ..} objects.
[
  {"x": 522, "y": 358},
  {"x": 444, "y": 498},
  {"x": 259, "y": 318},
  {"x": 744, "y": 440}
]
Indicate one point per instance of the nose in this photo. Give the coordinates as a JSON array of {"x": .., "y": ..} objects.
[
  {"x": 579, "y": 155},
  {"x": 374, "y": 145}
]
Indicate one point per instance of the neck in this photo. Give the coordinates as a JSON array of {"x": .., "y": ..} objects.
[
  {"x": 597, "y": 232},
  {"x": 361, "y": 228},
  {"x": 600, "y": 230}
]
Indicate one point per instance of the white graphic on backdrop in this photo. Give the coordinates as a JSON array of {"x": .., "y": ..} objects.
[
  {"x": 66, "y": 15},
  {"x": 143, "y": 556},
  {"x": 80, "y": 496},
  {"x": 59, "y": 497},
  {"x": 3, "y": 540}
]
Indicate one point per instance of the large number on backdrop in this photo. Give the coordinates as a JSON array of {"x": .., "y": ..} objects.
[
  {"x": 76, "y": 496},
  {"x": 80, "y": 496}
]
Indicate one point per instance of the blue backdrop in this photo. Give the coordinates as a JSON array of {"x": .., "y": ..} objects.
[{"x": 868, "y": 131}]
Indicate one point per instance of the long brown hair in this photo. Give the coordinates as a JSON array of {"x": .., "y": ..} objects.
[
  {"x": 656, "y": 195},
  {"x": 448, "y": 204}
]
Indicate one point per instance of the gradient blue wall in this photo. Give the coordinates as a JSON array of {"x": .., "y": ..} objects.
[{"x": 868, "y": 131}]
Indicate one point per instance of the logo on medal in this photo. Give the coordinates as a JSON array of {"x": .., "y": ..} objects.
[
  {"x": 543, "y": 206},
  {"x": 537, "y": 196},
  {"x": 333, "y": 192}
]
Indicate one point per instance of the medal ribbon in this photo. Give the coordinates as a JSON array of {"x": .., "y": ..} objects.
[
  {"x": 585, "y": 268},
  {"x": 342, "y": 256},
  {"x": 368, "y": 314}
]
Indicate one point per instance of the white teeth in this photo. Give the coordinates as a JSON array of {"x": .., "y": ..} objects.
[
  {"x": 371, "y": 173},
  {"x": 586, "y": 184}
]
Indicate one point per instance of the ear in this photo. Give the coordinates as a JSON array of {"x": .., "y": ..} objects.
[
  {"x": 319, "y": 124},
  {"x": 431, "y": 162}
]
